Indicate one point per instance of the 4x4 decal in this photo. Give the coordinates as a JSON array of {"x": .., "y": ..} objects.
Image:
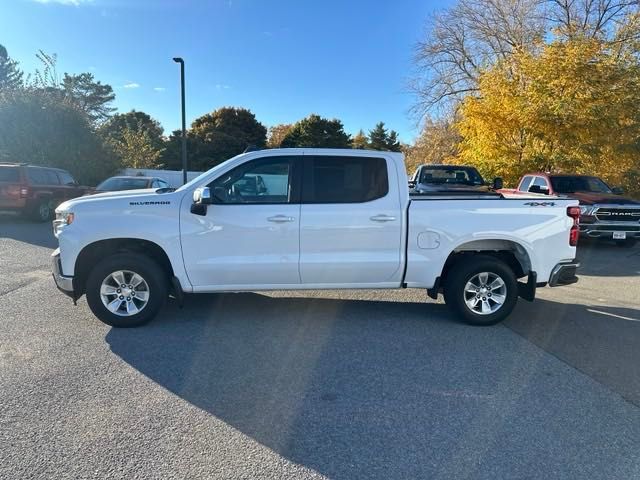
[{"x": 541, "y": 204}]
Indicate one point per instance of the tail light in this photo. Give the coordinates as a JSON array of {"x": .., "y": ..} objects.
[
  {"x": 17, "y": 191},
  {"x": 574, "y": 233},
  {"x": 13, "y": 190}
]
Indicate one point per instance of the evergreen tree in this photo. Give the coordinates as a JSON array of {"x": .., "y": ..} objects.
[
  {"x": 317, "y": 132},
  {"x": 381, "y": 139},
  {"x": 10, "y": 74}
]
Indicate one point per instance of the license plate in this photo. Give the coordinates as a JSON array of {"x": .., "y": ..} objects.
[{"x": 619, "y": 235}]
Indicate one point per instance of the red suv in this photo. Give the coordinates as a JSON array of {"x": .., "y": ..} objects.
[{"x": 35, "y": 191}]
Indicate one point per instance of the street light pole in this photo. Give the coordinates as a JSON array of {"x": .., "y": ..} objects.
[{"x": 184, "y": 124}]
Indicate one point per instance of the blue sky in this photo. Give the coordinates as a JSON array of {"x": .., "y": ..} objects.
[{"x": 282, "y": 59}]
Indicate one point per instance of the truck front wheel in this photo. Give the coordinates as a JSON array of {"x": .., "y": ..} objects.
[
  {"x": 483, "y": 290},
  {"x": 126, "y": 290}
]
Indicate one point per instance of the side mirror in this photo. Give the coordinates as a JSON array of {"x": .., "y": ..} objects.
[
  {"x": 617, "y": 190},
  {"x": 202, "y": 196},
  {"x": 498, "y": 183}
]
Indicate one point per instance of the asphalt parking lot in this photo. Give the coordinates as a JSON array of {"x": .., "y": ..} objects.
[{"x": 319, "y": 384}]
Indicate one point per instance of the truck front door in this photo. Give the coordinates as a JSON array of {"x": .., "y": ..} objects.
[{"x": 250, "y": 236}]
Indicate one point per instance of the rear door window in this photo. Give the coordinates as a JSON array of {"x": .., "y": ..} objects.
[
  {"x": 334, "y": 179},
  {"x": 37, "y": 176},
  {"x": 9, "y": 174},
  {"x": 52, "y": 178}
]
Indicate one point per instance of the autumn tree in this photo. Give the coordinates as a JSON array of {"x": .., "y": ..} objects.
[
  {"x": 360, "y": 140},
  {"x": 437, "y": 143},
  {"x": 276, "y": 134},
  {"x": 10, "y": 74},
  {"x": 572, "y": 108},
  {"x": 317, "y": 132},
  {"x": 472, "y": 35},
  {"x": 135, "y": 148}
]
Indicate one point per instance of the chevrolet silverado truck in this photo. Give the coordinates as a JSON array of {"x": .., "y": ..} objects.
[
  {"x": 321, "y": 219},
  {"x": 605, "y": 212}
]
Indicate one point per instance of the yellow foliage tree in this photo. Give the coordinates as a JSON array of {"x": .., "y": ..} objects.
[
  {"x": 572, "y": 106},
  {"x": 438, "y": 143},
  {"x": 135, "y": 149}
]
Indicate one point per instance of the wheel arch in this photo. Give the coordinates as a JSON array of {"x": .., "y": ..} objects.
[
  {"x": 95, "y": 251},
  {"x": 514, "y": 254}
]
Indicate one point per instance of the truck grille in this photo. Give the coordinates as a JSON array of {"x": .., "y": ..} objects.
[{"x": 618, "y": 214}]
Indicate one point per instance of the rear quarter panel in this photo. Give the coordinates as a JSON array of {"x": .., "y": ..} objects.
[{"x": 438, "y": 228}]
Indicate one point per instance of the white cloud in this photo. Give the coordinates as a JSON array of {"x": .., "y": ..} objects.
[
  {"x": 75, "y": 3},
  {"x": 159, "y": 89},
  {"x": 131, "y": 85},
  {"x": 222, "y": 86}
]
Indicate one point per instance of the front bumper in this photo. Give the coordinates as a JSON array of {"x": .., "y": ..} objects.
[
  {"x": 564, "y": 274},
  {"x": 64, "y": 283}
]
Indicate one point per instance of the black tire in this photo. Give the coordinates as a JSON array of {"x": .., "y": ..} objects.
[
  {"x": 626, "y": 243},
  {"x": 465, "y": 270},
  {"x": 43, "y": 210},
  {"x": 148, "y": 269}
]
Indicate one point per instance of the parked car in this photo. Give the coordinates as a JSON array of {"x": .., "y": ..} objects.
[
  {"x": 605, "y": 212},
  {"x": 119, "y": 183},
  {"x": 330, "y": 219},
  {"x": 35, "y": 191},
  {"x": 449, "y": 178}
]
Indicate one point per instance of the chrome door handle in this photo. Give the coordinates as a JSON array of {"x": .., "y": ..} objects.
[
  {"x": 280, "y": 219},
  {"x": 382, "y": 218}
]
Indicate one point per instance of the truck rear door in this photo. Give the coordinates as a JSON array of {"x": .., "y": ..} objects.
[{"x": 350, "y": 221}]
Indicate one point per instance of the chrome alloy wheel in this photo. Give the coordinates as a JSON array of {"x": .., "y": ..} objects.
[
  {"x": 485, "y": 293},
  {"x": 124, "y": 293}
]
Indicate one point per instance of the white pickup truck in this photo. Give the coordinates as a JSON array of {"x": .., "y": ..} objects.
[{"x": 293, "y": 219}]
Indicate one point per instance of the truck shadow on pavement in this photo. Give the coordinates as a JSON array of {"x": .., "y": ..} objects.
[{"x": 376, "y": 389}]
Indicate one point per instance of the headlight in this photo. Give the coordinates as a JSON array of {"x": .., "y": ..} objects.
[
  {"x": 63, "y": 218},
  {"x": 586, "y": 210}
]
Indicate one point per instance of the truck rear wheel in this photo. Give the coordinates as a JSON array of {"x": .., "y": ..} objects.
[
  {"x": 482, "y": 290},
  {"x": 126, "y": 290}
]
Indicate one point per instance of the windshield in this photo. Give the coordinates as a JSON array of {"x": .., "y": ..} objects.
[
  {"x": 116, "y": 184},
  {"x": 579, "y": 184},
  {"x": 450, "y": 175}
]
